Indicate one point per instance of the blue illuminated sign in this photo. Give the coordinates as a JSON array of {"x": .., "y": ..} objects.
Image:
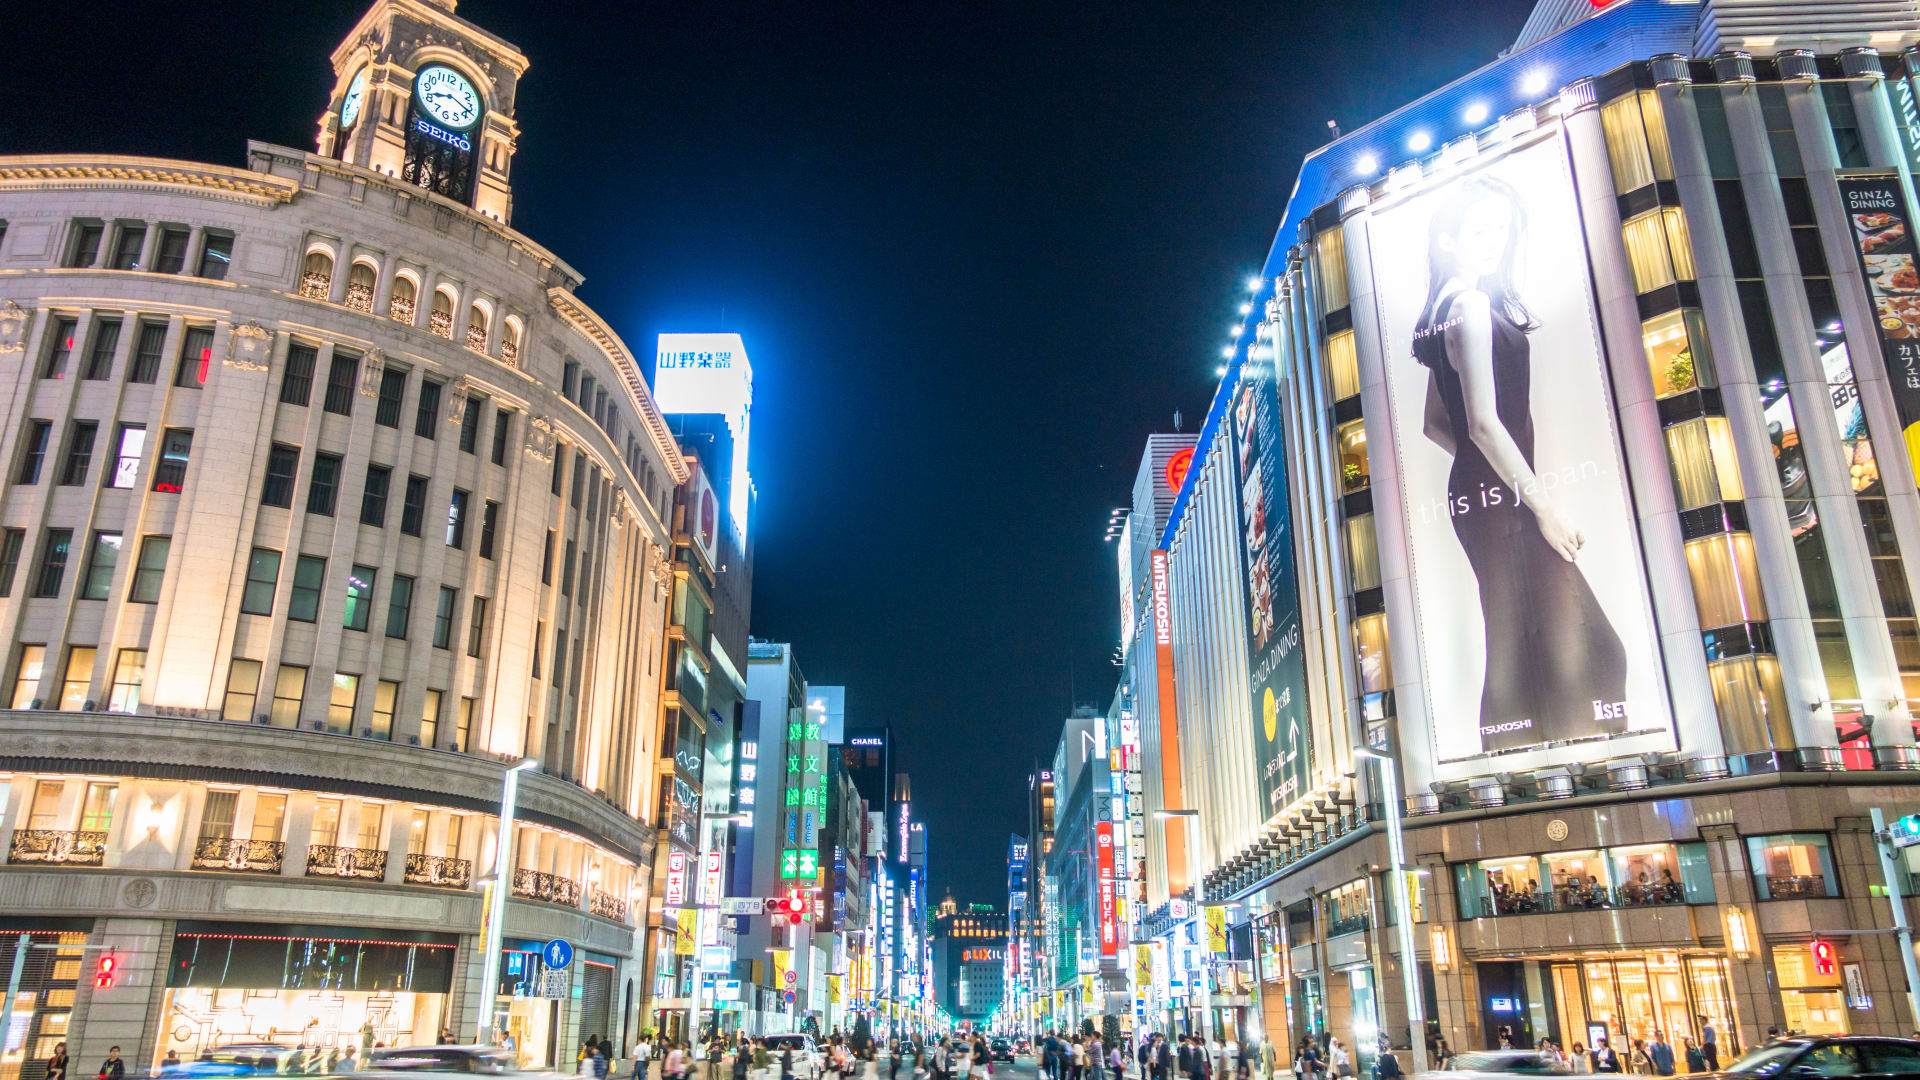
[{"x": 458, "y": 142}]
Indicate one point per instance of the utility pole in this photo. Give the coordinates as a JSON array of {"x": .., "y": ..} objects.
[{"x": 1905, "y": 834}]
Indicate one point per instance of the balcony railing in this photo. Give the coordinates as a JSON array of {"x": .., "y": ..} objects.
[
  {"x": 439, "y": 870},
  {"x": 316, "y": 286},
  {"x": 1583, "y": 898},
  {"x": 56, "y": 846},
  {"x": 510, "y": 353},
  {"x": 607, "y": 906},
  {"x": 552, "y": 888},
  {"x": 441, "y": 323},
  {"x": 1797, "y": 887},
  {"x": 400, "y": 309},
  {"x": 332, "y": 860},
  {"x": 477, "y": 337},
  {"x": 1348, "y": 924},
  {"x": 360, "y": 297},
  {"x": 239, "y": 856}
]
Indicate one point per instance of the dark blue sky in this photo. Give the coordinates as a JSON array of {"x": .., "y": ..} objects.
[{"x": 978, "y": 252}]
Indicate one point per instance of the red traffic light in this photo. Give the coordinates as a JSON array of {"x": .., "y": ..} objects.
[
  {"x": 1822, "y": 957},
  {"x": 106, "y": 971}
]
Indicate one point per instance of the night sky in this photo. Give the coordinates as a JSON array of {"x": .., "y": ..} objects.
[{"x": 978, "y": 251}]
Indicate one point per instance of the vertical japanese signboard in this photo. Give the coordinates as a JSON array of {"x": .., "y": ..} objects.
[
  {"x": 1176, "y": 837},
  {"x": 804, "y": 799},
  {"x": 1882, "y": 229},
  {"x": 1109, "y": 910},
  {"x": 676, "y": 878}
]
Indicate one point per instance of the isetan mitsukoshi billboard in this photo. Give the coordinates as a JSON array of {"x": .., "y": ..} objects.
[{"x": 1535, "y": 622}]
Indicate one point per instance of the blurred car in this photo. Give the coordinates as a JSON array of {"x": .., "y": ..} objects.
[
  {"x": 1487, "y": 1063},
  {"x": 238, "y": 1059},
  {"x": 487, "y": 1060},
  {"x": 1829, "y": 1055},
  {"x": 1000, "y": 1050},
  {"x": 806, "y": 1056}
]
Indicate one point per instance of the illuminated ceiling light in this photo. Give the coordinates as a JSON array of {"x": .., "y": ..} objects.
[
  {"x": 1226, "y": 353},
  {"x": 1476, "y": 113},
  {"x": 1221, "y": 370},
  {"x": 1420, "y": 141},
  {"x": 1535, "y": 82},
  {"x": 1367, "y": 165},
  {"x": 1246, "y": 309},
  {"x": 1254, "y": 283}
]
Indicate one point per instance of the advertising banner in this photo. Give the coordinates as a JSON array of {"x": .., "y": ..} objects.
[
  {"x": 1216, "y": 930},
  {"x": 676, "y": 878},
  {"x": 1883, "y": 238},
  {"x": 1170, "y": 793},
  {"x": 1282, "y": 753},
  {"x": 1535, "y": 622},
  {"x": 1109, "y": 913}
]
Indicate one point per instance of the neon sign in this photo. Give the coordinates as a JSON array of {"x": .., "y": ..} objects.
[{"x": 458, "y": 142}]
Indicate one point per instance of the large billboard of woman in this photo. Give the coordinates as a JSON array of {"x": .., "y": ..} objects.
[{"x": 1535, "y": 622}]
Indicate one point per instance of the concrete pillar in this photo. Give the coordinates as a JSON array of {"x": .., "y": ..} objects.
[
  {"x": 1643, "y": 441},
  {"x": 1875, "y": 669},
  {"x": 299, "y": 833},
  {"x": 124, "y": 1014}
]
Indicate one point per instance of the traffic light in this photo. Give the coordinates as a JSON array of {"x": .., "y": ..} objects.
[
  {"x": 1905, "y": 832},
  {"x": 106, "y": 971},
  {"x": 1822, "y": 957},
  {"x": 791, "y": 907}
]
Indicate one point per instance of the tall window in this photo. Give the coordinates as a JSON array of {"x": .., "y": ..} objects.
[
  {"x": 1658, "y": 248},
  {"x": 263, "y": 575},
  {"x": 399, "y": 606},
  {"x": 393, "y": 388},
  {"x": 129, "y": 675},
  {"x": 309, "y": 575},
  {"x": 282, "y": 463},
  {"x": 171, "y": 258},
  {"x": 148, "y": 351},
  {"x": 150, "y": 570},
  {"x": 440, "y": 318},
  {"x": 324, "y": 485},
  {"x": 346, "y": 690},
  {"x": 360, "y": 288},
  {"x": 79, "y": 453},
  {"x": 477, "y": 329},
  {"x": 27, "y": 676},
  {"x": 489, "y": 520},
  {"x": 341, "y": 374},
  {"x": 216, "y": 818},
  {"x": 426, "y": 416},
  {"x": 502, "y": 428},
  {"x": 52, "y": 568},
  {"x": 10, "y": 544},
  {"x": 96, "y": 809},
  {"x": 78, "y": 679},
  {"x": 430, "y": 718},
  {"x": 243, "y": 689},
  {"x": 385, "y": 695},
  {"x": 128, "y": 240},
  {"x": 270, "y": 811},
  {"x": 59, "y": 347},
  {"x": 457, "y": 519},
  {"x": 106, "y": 338},
  {"x": 170, "y": 472},
  {"x": 101, "y": 561},
  {"x": 1330, "y": 259},
  {"x": 196, "y": 357},
  {"x": 289, "y": 689},
  {"x": 316, "y": 276},
  {"x": 443, "y": 617},
  {"x": 129, "y": 445},
  {"x": 463, "y": 726},
  {"x": 1636, "y": 135},
  {"x": 33, "y": 453},
  {"x": 216, "y": 254},
  {"x": 86, "y": 246},
  {"x": 400, "y": 304},
  {"x": 477, "y": 626},
  {"x": 373, "y": 497},
  {"x": 296, "y": 383},
  {"x": 359, "y": 597},
  {"x": 413, "y": 506},
  {"x": 470, "y": 424}
]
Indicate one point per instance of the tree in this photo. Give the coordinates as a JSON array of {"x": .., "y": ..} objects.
[
  {"x": 862, "y": 1033},
  {"x": 1110, "y": 1030}
]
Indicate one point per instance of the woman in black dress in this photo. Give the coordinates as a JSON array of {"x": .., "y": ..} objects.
[{"x": 1555, "y": 668}]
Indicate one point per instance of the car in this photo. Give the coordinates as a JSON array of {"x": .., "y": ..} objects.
[
  {"x": 1475, "y": 1064},
  {"x": 806, "y": 1055},
  {"x": 234, "y": 1059},
  {"x": 1829, "y": 1055},
  {"x": 487, "y": 1060},
  {"x": 1000, "y": 1050}
]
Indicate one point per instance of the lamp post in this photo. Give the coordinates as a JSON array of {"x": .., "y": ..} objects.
[
  {"x": 1403, "y": 904},
  {"x": 496, "y": 900},
  {"x": 1191, "y": 817}
]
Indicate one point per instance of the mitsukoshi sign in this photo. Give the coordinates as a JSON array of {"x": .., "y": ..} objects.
[{"x": 1536, "y": 628}]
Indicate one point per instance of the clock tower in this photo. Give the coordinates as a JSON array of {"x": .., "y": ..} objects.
[{"x": 425, "y": 96}]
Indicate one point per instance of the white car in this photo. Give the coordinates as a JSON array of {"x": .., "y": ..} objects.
[
  {"x": 806, "y": 1056},
  {"x": 1485, "y": 1064}
]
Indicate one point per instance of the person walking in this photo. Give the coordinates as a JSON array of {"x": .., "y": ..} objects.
[
  {"x": 1709, "y": 1050},
  {"x": 112, "y": 1068},
  {"x": 1660, "y": 1054},
  {"x": 599, "y": 1061},
  {"x": 642, "y": 1055}
]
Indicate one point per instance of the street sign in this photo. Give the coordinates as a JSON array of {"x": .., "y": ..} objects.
[
  {"x": 793, "y": 977},
  {"x": 742, "y": 905},
  {"x": 1904, "y": 832},
  {"x": 557, "y": 954},
  {"x": 555, "y": 984},
  {"x": 791, "y": 996}
]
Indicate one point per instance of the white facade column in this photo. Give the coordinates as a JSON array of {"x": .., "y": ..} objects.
[
  {"x": 1788, "y": 617},
  {"x": 299, "y": 825}
]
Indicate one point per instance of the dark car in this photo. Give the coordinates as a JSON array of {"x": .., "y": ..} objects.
[
  {"x": 463, "y": 1059},
  {"x": 1829, "y": 1055},
  {"x": 1000, "y": 1050}
]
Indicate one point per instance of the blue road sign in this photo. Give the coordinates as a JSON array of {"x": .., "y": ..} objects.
[{"x": 557, "y": 954}]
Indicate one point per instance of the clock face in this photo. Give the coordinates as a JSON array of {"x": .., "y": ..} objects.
[
  {"x": 445, "y": 95},
  {"x": 356, "y": 93}
]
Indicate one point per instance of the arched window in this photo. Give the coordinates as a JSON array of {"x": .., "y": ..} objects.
[
  {"x": 510, "y": 342},
  {"x": 477, "y": 317},
  {"x": 360, "y": 287},
  {"x": 316, "y": 276},
  {"x": 400, "y": 307},
  {"x": 440, "y": 320}
]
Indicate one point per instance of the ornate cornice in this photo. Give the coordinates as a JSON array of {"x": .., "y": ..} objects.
[
  {"x": 67, "y": 172},
  {"x": 595, "y": 329}
]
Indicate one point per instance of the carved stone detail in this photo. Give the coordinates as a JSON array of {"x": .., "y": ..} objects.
[
  {"x": 248, "y": 347},
  {"x": 139, "y": 893},
  {"x": 540, "y": 439},
  {"x": 371, "y": 372},
  {"x": 13, "y": 327}
]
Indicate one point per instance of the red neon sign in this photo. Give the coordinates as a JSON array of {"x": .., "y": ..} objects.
[
  {"x": 1177, "y": 467},
  {"x": 1109, "y": 913},
  {"x": 1822, "y": 957}
]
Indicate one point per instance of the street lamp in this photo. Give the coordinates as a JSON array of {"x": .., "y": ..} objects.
[
  {"x": 701, "y": 916},
  {"x": 1403, "y": 904},
  {"x": 495, "y": 911}
]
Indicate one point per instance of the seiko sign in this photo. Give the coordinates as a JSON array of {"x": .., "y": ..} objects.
[{"x": 458, "y": 142}]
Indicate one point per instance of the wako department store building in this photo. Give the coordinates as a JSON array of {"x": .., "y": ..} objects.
[
  {"x": 324, "y": 500},
  {"x": 1582, "y": 407}
]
